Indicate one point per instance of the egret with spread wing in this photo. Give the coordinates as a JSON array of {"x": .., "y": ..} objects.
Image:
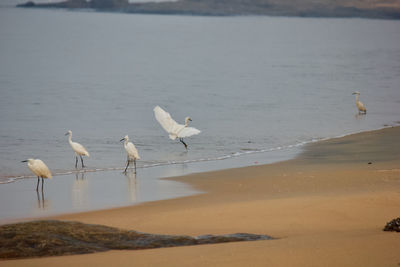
[{"x": 174, "y": 129}]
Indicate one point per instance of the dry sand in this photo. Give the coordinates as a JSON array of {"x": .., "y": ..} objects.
[{"x": 327, "y": 207}]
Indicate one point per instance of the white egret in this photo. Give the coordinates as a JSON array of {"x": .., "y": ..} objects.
[
  {"x": 359, "y": 104},
  {"x": 78, "y": 149},
  {"x": 133, "y": 154},
  {"x": 174, "y": 129},
  {"x": 39, "y": 169}
]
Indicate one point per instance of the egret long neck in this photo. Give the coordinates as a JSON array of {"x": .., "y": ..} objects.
[
  {"x": 357, "y": 98},
  {"x": 70, "y": 138},
  {"x": 186, "y": 122}
]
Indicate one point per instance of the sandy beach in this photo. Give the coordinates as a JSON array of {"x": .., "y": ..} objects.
[{"x": 327, "y": 207}]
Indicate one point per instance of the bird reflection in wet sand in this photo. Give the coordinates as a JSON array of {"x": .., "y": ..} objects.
[
  {"x": 82, "y": 177},
  {"x": 79, "y": 190},
  {"x": 360, "y": 116},
  {"x": 42, "y": 202},
  {"x": 132, "y": 185}
]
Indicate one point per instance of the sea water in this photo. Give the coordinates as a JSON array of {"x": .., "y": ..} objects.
[{"x": 258, "y": 88}]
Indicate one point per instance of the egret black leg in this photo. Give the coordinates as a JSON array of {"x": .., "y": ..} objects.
[
  {"x": 180, "y": 139},
  {"x": 83, "y": 165},
  {"x": 42, "y": 200},
  {"x": 42, "y": 183},
  {"x": 127, "y": 164},
  {"x": 38, "y": 199},
  {"x": 76, "y": 162},
  {"x": 37, "y": 185},
  {"x": 134, "y": 162}
]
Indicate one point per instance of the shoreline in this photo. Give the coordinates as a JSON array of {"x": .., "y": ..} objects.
[
  {"x": 326, "y": 207},
  {"x": 235, "y": 156},
  {"x": 141, "y": 186}
]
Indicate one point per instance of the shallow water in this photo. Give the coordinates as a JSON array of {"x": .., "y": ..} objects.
[
  {"x": 90, "y": 189},
  {"x": 85, "y": 191},
  {"x": 249, "y": 83},
  {"x": 257, "y": 87}
]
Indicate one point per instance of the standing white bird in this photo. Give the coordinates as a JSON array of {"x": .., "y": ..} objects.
[
  {"x": 174, "y": 129},
  {"x": 359, "y": 104},
  {"x": 78, "y": 149},
  {"x": 39, "y": 169},
  {"x": 132, "y": 152}
]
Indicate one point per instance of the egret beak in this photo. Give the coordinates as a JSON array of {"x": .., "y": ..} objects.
[
  {"x": 24, "y": 161},
  {"x": 190, "y": 119},
  {"x": 67, "y": 134},
  {"x": 123, "y": 139}
]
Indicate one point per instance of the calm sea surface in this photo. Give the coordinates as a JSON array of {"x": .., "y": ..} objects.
[{"x": 252, "y": 85}]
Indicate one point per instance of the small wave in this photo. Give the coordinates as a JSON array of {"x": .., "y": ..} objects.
[
  {"x": 9, "y": 180},
  {"x": 152, "y": 164}
]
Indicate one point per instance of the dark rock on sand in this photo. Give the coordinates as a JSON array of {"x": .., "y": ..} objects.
[
  {"x": 393, "y": 225},
  {"x": 55, "y": 238}
]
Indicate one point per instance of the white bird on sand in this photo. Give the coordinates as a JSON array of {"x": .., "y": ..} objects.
[
  {"x": 174, "y": 129},
  {"x": 359, "y": 104},
  {"x": 39, "y": 169},
  {"x": 132, "y": 152},
  {"x": 78, "y": 149}
]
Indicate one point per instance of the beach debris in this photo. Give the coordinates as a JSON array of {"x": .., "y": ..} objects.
[
  {"x": 56, "y": 238},
  {"x": 393, "y": 225}
]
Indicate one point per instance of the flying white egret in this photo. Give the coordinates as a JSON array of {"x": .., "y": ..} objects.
[
  {"x": 359, "y": 104},
  {"x": 78, "y": 149},
  {"x": 174, "y": 129},
  {"x": 39, "y": 169},
  {"x": 132, "y": 152}
]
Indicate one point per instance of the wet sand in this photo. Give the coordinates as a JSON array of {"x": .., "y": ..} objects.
[{"x": 327, "y": 208}]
